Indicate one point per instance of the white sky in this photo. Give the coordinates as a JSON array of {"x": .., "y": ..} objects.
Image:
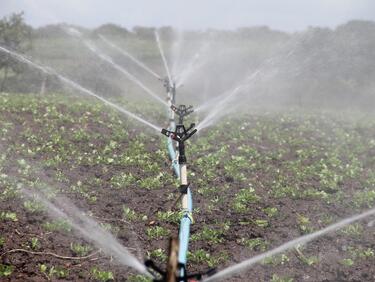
[{"x": 289, "y": 15}]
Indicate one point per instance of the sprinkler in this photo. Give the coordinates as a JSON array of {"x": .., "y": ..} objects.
[
  {"x": 180, "y": 135},
  {"x": 182, "y": 111}
]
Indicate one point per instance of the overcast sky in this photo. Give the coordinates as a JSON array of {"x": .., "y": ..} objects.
[{"x": 289, "y": 15}]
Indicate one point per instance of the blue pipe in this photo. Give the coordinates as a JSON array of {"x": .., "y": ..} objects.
[
  {"x": 172, "y": 156},
  {"x": 184, "y": 233}
]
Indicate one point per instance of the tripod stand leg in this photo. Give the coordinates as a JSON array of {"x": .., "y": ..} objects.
[{"x": 172, "y": 260}]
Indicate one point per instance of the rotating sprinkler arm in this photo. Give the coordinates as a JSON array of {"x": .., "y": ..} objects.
[
  {"x": 180, "y": 135},
  {"x": 182, "y": 111}
]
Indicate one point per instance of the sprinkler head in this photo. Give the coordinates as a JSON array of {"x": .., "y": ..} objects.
[
  {"x": 181, "y": 134},
  {"x": 182, "y": 111}
]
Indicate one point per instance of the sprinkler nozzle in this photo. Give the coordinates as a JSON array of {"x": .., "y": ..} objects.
[
  {"x": 182, "y": 111},
  {"x": 180, "y": 135}
]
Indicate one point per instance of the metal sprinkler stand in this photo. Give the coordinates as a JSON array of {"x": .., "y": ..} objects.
[
  {"x": 180, "y": 135},
  {"x": 178, "y": 249}
]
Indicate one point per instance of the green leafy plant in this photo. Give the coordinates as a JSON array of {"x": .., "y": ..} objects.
[
  {"x": 209, "y": 234},
  {"x": 276, "y": 278},
  {"x": 102, "y": 275},
  {"x": 157, "y": 232},
  {"x": 9, "y": 216},
  {"x": 53, "y": 271},
  {"x": 80, "y": 250},
  {"x": 243, "y": 198},
  {"x": 129, "y": 214},
  {"x": 258, "y": 244},
  {"x": 158, "y": 254},
  {"x": 6, "y": 270},
  {"x": 34, "y": 243},
  {"x": 57, "y": 225}
]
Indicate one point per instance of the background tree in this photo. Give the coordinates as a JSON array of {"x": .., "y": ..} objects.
[{"x": 14, "y": 35}]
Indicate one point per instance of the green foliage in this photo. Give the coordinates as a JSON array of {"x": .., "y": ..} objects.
[
  {"x": 364, "y": 198},
  {"x": 158, "y": 254},
  {"x": 257, "y": 244},
  {"x": 201, "y": 256},
  {"x": 357, "y": 253},
  {"x": 138, "y": 278},
  {"x": 34, "y": 243},
  {"x": 80, "y": 250},
  {"x": 304, "y": 224},
  {"x": 271, "y": 211},
  {"x": 209, "y": 235},
  {"x": 129, "y": 214},
  {"x": 33, "y": 206},
  {"x": 102, "y": 275},
  {"x": 169, "y": 216},
  {"x": 352, "y": 230},
  {"x": 150, "y": 183},
  {"x": 54, "y": 271},
  {"x": 57, "y": 225},
  {"x": 157, "y": 232},
  {"x": 8, "y": 216},
  {"x": 123, "y": 180},
  {"x": 243, "y": 198},
  {"x": 305, "y": 259},
  {"x": 276, "y": 278},
  {"x": 347, "y": 262},
  {"x": 6, "y": 270},
  {"x": 276, "y": 260}
]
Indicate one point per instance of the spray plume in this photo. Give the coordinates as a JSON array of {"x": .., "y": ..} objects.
[
  {"x": 109, "y": 60},
  {"x": 88, "y": 228},
  {"x": 90, "y": 45},
  {"x": 235, "y": 269},
  {"x": 163, "y": 56},
  {"x": 76, "y": 86},
  {"x": 125, "y": 53},
  {"x": 219, "y": 104},
  {"x": 192, "y": 66}
]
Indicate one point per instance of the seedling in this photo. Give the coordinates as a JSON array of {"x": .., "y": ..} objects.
[
  {"x": 80, "y": 250},
  {"x": 34, "y": 243},
  {"x": 6, "y": 270},
  {"x": 8, "y": 216},
  {"x": 102, "y": 275}
]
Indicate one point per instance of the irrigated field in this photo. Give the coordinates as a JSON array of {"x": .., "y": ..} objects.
[{"x": 258, "y": 180}]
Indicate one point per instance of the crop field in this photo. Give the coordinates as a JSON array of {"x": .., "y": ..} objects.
[{"x": 259, "y": 179}]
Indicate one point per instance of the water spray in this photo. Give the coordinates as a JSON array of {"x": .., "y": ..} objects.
[
  {"x": 237, "y": 268},
  {"x": 163, "y": 55},
  {"x": 127, "y": 54},
  {"x": 91, "y": 46},
  {"x": 75, "y": 85}
]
